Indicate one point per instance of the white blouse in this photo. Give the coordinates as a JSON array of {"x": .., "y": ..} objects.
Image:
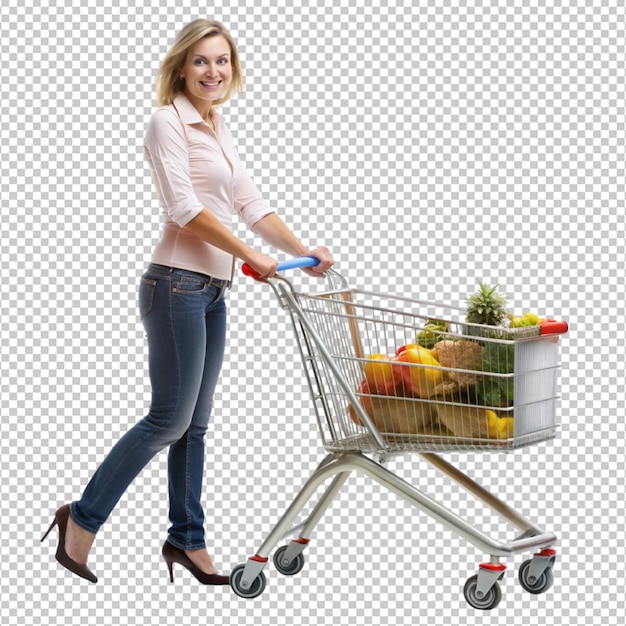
[{"x": 194, "y": 168}]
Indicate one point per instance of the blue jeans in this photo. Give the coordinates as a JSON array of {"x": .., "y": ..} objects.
[{"x": 184, "y": 315}]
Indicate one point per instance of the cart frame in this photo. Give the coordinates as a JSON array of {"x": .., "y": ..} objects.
[{"x": 482, "y": 590}]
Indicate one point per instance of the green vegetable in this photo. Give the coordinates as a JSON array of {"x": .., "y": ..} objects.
[
  {"x": 433, "y": 332},
  {"x": 497, "y": 358}
]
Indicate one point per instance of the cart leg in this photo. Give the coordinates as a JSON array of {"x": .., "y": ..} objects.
[
  {"x": 454, "y": 522},
  {"x": 327, "y": 468},
  {"x": 479, "y": 492},
  {"x": 248, "y": 580},
  {"x": 284, "y": 560},
  {"x": 325, "y": 501}
]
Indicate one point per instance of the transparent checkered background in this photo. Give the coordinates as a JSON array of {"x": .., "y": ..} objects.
[{"x": 428, "y": 143}]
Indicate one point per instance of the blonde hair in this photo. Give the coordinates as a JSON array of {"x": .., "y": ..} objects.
[{"x": 170, "y": 84}]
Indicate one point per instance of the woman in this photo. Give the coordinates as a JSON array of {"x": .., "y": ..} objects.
[{"x": 200, "y": 182}]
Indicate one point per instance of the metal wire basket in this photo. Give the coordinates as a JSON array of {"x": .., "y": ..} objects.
[
  {"x": 389, "y": 375},
  {"x": 376, "y": 387}
]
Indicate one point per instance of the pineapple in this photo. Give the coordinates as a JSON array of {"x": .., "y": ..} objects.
[{"x": 486, "y": 306}]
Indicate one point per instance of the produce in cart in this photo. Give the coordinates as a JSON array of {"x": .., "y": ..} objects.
[
  {"x": 397, "y": 415},
  {"x": 433, "y": 332},
  {"x": 486, "y": 306},
  {"x": 449, "y": 384},
  {"x": 423, "y": 402},
  {"x": 459, "y": 355},
  {"x": 416, "y": 371},
  {"x": 402, "y": 398},
  {"x": 379, "y": 374}
]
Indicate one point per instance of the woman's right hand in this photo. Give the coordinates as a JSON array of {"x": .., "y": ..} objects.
[{"x": 264, "y": 265}]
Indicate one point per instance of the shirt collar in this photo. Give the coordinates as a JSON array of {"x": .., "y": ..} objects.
[{"x": 188, "y": 113}]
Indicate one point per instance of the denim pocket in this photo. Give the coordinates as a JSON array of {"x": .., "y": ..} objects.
[
  {"x": 191, "y": 284},
  {"x": 147, "y": 287}
]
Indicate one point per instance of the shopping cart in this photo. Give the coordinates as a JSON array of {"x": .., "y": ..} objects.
[{"x": 391, "y": 375}]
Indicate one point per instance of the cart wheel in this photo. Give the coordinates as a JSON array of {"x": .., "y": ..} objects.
[
  {"x": 541, "y": 584},
  {"x": 256, "y": 588},
  {"x": 489, "y": 601},
  {"x": 290, "y": 569}
]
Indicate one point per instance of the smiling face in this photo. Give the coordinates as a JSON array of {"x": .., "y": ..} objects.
[{"x": 208, "y": 72}]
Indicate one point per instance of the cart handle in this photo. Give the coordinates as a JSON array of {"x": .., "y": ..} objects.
[{"x": 290, "y": 264}]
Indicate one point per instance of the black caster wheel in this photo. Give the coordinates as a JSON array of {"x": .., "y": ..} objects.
[
  {"x": 539, "y": 585},
  {"x": 490, "y": 600},
  {"x": 291, "y": 568},
  {"x": 256, "y": 588}
]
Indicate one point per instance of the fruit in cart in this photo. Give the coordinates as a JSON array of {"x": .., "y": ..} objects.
[
  {"x": 514, "y": 321},
  {"x": 433, "y": 331},
  {"x": 459, "y": 355},
  {"x": 500, "y": 427},
  {"x": 486, "y": 306},
  {"x": 530, "y": 319},
  {"x": 416, "y": 370},
  {"x": 450, "y": 411},
  {"x": 379, "y": 374},
  {"x": 527, "y": 319}
]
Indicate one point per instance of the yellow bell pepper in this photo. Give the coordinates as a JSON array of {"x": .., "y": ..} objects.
[{"x": 500, "y": 427}]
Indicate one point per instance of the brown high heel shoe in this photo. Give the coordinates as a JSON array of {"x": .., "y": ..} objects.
[
  {"x": 60, "y": 518},
  {"x": 172, "y": 555}
]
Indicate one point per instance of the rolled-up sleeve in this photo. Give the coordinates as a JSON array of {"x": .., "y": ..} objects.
[
  {"x": 249, "y": 203},
  {"x": 165, "y": 149}
]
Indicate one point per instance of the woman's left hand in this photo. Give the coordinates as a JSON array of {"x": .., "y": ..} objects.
[{"x": 325, "y": 258}]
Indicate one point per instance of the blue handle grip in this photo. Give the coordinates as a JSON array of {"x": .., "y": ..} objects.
[
  {"x": 291, "y": 264},
  {"x": 297, "y": 263}
]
